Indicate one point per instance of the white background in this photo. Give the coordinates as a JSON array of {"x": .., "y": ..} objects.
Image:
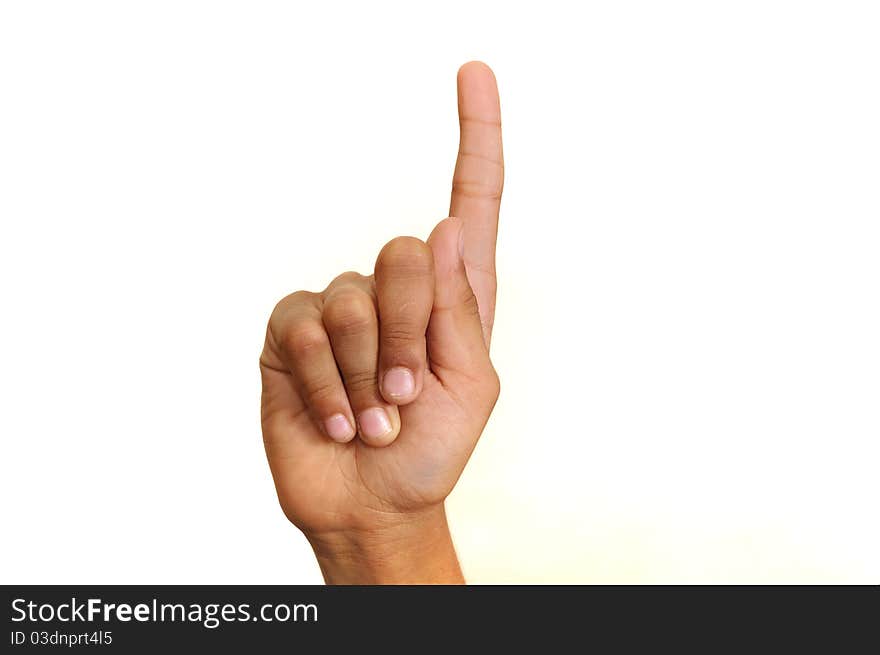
[{"x": 688, "y": 315}]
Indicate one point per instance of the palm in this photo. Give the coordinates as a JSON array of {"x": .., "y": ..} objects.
[{"x": 324, "y": 484}]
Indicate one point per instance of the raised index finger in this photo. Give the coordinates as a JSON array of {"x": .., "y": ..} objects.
[{"x": 479, "y": 180}]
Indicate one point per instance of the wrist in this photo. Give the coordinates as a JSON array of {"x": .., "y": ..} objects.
[{"x": 406, "y": 548}]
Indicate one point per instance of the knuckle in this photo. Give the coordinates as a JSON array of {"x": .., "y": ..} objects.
[
  {"x": 398, "y": 333},
  {"x": 320, "y": 390},
  {"x": 359, "y": 381},
  {"x": 287, "y": 303},
  {"x": 479, "y": 190},
  {"x": 405, "y": 256},
  {"x": 349, "y": 312},
  {"x": 348, "y": 277},
  {"x": 303, "y": 338}
]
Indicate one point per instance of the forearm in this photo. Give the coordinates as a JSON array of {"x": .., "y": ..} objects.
[{"x": 411, "y": 549}]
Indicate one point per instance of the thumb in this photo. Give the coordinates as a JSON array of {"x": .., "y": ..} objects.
[{"x": 455, "y": 333}]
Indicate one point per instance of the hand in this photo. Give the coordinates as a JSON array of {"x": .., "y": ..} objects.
[{"x": 376, "y": 390}]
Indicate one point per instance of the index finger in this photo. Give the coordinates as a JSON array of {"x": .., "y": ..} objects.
[{"x": 479, "y": 180}]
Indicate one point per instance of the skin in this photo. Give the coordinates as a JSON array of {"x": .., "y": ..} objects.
[{"x": 370, "y": 500}]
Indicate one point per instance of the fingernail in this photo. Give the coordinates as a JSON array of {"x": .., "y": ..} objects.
[
  {"x": 399, "y": 382},
  {"x": 338, "y": 428},
  {"x": 374, "y": 422}
]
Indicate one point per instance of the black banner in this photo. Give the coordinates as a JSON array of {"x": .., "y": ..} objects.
[{"x": 269, "y": 619}]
